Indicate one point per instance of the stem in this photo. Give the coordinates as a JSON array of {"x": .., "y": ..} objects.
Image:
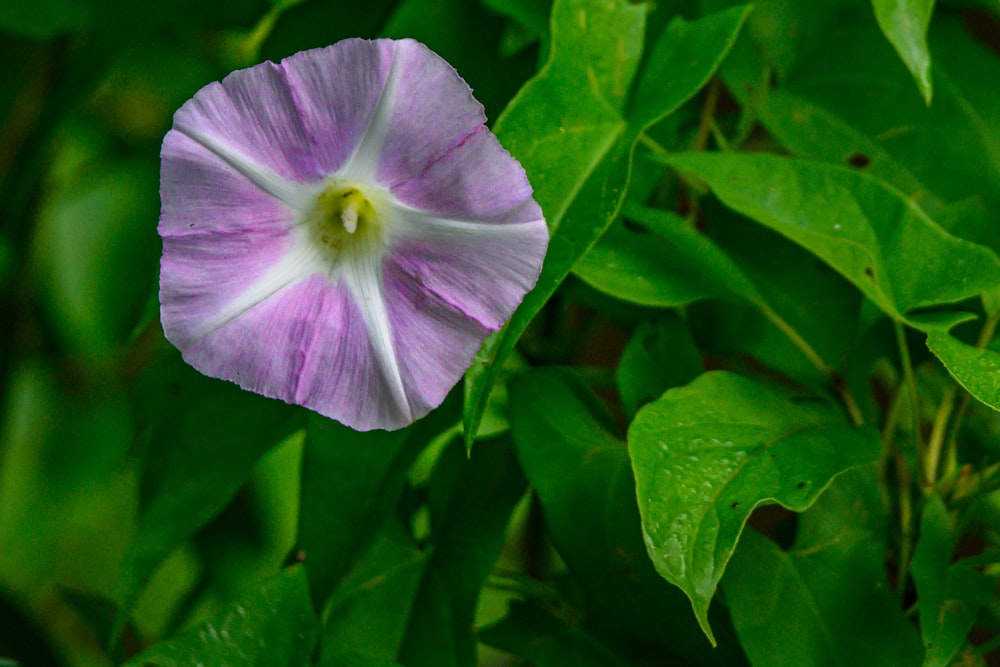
[
  {"x": 651, "y": 143},
  {"x": 989, "y": 330},
  {"x": 803, "y": 345},
  {"x": 911, "y": 386},
  {"x": 797, "y": 340},
  {"x": 888, "y": 448},
  {"x": 905, "y": 519},
  {"x": 719, "y": 137},
  {"x": 903, "y": 480},
  {"x": 521, "y": 584},
  {"x": 707, "y": 115},
  {"x": 936, "y": 441},
  {"x": 847, "y": 398},
  {"x": 967, "y": 489},
  {"x": 902, "y": 471}
]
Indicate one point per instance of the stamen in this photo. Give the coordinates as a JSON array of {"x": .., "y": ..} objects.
[
  {"x": 349, "y": 216},
  {"x": 345, "y": 215}
]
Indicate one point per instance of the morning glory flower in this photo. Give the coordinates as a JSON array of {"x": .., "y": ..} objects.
[{"x": 341, "y": 231}]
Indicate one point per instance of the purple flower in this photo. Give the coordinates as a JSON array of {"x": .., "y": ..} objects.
[{"x": 342, "y": 231}]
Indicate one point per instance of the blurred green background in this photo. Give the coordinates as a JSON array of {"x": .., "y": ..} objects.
[{"x": 87, "y": 90}]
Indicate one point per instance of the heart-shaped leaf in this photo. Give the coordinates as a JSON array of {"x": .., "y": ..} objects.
[{"x": 707, "y": 454}]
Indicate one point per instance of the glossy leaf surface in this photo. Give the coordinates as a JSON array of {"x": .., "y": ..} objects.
[{"x": 707, "y": 454}]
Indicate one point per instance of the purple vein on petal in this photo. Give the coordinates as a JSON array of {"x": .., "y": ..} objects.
[
  {"x": 292, "y": 195},
  {"x": 363, "y": 163},
  {"x": 301, "y": 260}
]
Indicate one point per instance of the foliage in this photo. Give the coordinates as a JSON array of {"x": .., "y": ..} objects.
[{"x": 749, "y": 415}]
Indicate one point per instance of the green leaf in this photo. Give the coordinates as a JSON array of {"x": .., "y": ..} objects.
[
  {"x": 567, "y": 129},
  {"x": 273, "y": 625},
  {"x": 315, "y": 23},
  {"x": 533, "y": 14},
  {"x": 869, "y": 232},
  {"x": 565, "y": 120},
  {"x": 813, "y": 132},
  {"x": 660, "y": 259},
  {"x": 905, "y": 23},
  {"x": 948, "y": 595},
  {"x": 351, "y": 482},
  {"x": 368, "y": 612},
  {"x": 417, "y": 605},
  {"x": 668, "y": 264},
  {"x": 684, "y": 58},
  {"x": 445, "y": 26},
  {"x": 659, "y": 356},
  {"x": 977, "y": 369},
  {"x": 197, "y": 463},
  {"x": 580, "y": 469},
  {"x": 561, "y": 126},
  {"x": 707, "y": 454},
  {"x": 826, "y": 601},
  {"x": 470, "y": 503},
  {"x": 45, "y": 19},
  {"x": 537, "y": 636},
  {"x": 94, "y": 257},
  {"x": 22, "y": 643},
  {"x": 950, "y": 146},
  {"x": 356, "y": 659},
  {"x": 804, "y": 301}
]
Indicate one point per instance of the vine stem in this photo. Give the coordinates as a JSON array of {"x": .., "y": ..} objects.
[
  {"x": 652, "y": 144},
  {"x": 909, "y": 385},
  {"x": 707, "y": 115},
  {"x": 905, "y": 501},
  {"x": 935, "y": 442},
  {"x": 826, "y": 369},
  {"x": 910, "y": 380}
]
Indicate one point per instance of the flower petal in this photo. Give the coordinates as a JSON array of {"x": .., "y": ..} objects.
[
  {"x": 482, "y": 269},
  {"x": 206, "y": 281},
  {"x": 201, "y": 193},
  {"x": 477, "y": 180},
  {"x": 309, "y": 345},
  {"x": 426, "y": 110},
  {"x": 251, "y": 119},
  {"x": 220, "y": 233},
  {"x": 435, "y": 341},
  {"x": 337, "y": 89},
  {"x": 363, "y": 274}
]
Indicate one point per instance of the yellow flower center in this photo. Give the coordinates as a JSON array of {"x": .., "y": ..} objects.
[{"x": 344, "y": 216}]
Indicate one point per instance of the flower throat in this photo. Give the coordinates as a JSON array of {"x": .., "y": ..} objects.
[{"x": 343, "y": 216}]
